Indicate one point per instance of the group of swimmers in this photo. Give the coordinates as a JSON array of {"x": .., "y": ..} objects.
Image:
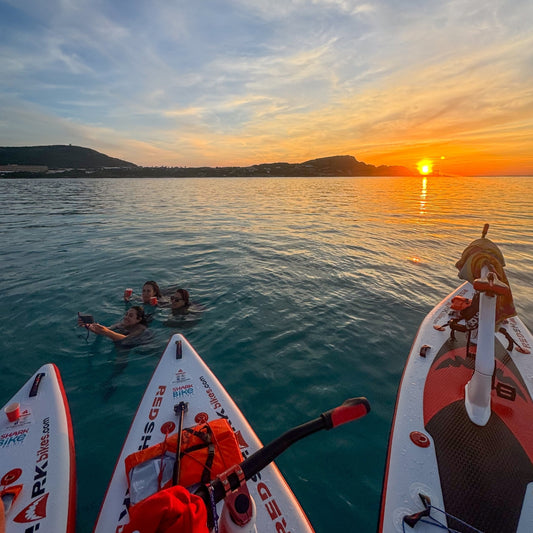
[
  {"x": 135, "y": 321},
  {"x": 151, "y": 295}
]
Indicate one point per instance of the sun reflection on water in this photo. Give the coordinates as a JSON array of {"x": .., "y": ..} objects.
[{"x": 423, "y": 195}]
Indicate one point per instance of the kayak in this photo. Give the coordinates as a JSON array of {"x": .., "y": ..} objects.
[
  {"x": 37, "y": 462},
  {"x": 184, "y": 394},
  {"x": 460, "y": 454}
]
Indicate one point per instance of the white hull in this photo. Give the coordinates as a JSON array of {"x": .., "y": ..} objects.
[
  {"x": 189, "y": 379},
  {"x": 480, "y": 473},
  {"x": 37, "y": 453}
]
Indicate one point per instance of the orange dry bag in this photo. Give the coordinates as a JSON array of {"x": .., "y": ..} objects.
[{"x": 206, "y": 451}]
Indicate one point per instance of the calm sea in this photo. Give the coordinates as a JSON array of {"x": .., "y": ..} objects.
[{"x": 313, "y": 291}]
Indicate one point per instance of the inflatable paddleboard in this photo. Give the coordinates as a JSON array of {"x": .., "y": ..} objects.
[
  {"x": 182, "y": 376},
  {"x": 37, "y": 463},
  {"x": 461, "y": 445}
]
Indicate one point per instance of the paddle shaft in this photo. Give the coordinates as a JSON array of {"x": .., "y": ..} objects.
[
  {"x": 179, "y": 409},
  {"x": 351, "y": 409}
]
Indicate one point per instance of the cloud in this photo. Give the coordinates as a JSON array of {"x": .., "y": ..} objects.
[{"x": 280, "y": 80}]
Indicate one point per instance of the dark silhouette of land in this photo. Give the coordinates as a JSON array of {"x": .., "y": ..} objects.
[
  {"x": 76, "y": 161},
  {"x": 59, "y": 157}
]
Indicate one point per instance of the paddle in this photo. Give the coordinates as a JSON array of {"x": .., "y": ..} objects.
[
  {"x": 236, "y": 476},
  {"x": 180, "y": 410}
]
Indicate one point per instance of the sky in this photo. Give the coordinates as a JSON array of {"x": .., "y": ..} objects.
[{"x": 240, "y": 82}]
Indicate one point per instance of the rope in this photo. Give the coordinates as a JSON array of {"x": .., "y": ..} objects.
[
  {"x": 81, "y": 336},
  {"x": 213, "y": 506},
  {"x": 433, "y": 521}
]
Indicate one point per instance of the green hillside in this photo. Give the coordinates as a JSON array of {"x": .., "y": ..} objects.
[{"x": 59, "y": 157}]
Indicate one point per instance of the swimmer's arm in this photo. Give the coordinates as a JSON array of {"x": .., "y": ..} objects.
[{"x": 106, "y": 332}]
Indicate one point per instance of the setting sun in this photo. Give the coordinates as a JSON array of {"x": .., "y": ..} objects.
[{"x": 425, "y": 166}]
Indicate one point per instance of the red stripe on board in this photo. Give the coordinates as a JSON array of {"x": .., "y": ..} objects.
[{"x": 71, "y": 520}]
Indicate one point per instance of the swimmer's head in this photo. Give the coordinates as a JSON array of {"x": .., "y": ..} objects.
[
  {"x": 150, "y": 289},
  {"x": 135, "y": 315},
  {"x": 180, "y": 299}
]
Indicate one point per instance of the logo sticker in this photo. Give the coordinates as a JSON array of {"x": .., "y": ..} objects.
[
  {"x": 240, "y": 440},
  {"x": 13, "y": 438},
  {"x": 11, "y": 476},
  {"x": 168, "y": 427},
  {"x": 201, "y": 418},
  {"x": 36, "y": 510},
  {"x": 183, "y": 391},
  {"x": 181, "y": 376}
]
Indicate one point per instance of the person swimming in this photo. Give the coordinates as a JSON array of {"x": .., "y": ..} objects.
[
  {"x": 150, "y": 290},
  {"x": 183, "y": 311},
  {"x": 132, "y": 325},
  {"x": 179, "y": 302}
]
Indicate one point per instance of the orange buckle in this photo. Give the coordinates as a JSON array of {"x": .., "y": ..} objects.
[{"x": 236, "y": 470}]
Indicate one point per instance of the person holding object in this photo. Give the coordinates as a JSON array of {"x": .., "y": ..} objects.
[
  {"x": 132, "y": 325},
  {"x": 151, "y": 293}
]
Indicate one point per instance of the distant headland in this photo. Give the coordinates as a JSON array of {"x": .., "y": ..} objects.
[{"x": 76, "y": 161}]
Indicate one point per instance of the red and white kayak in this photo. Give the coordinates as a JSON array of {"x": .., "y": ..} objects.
[
  {"x": 182, "y": 375},
  {"x": 37, "y": 463},
  {"x": 461, "y": 445}
]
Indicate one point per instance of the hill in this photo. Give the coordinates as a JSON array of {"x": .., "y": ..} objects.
[
  {"x": 347, "y": 165},
  {"x": 59, "y": 157},
  {"x": 340, "y": 165},
  {"x": 85, "y": 160}
]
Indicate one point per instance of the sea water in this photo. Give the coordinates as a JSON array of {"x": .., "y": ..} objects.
[{"x": 312, "y": 291}]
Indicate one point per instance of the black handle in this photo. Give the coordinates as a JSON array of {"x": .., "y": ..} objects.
[{"x": 350, "y": 410}]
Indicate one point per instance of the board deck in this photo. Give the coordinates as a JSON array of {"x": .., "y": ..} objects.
[
  {"x": 182, "y": 375},
  {"x": 37, "y": 457},
  {"x": 482, "y": 475}
]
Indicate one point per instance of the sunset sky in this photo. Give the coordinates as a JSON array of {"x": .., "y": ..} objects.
[{"x": 238, "y": 82}]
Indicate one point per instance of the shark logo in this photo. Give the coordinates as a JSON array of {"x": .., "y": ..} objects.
[
  {"x": 240, "y": 440},
  {"x": 36, "y": 510},
  {"x": 181, "y": 376}
]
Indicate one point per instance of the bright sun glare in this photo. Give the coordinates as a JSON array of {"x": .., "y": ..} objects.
[{"x": 425, "y": 166}]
